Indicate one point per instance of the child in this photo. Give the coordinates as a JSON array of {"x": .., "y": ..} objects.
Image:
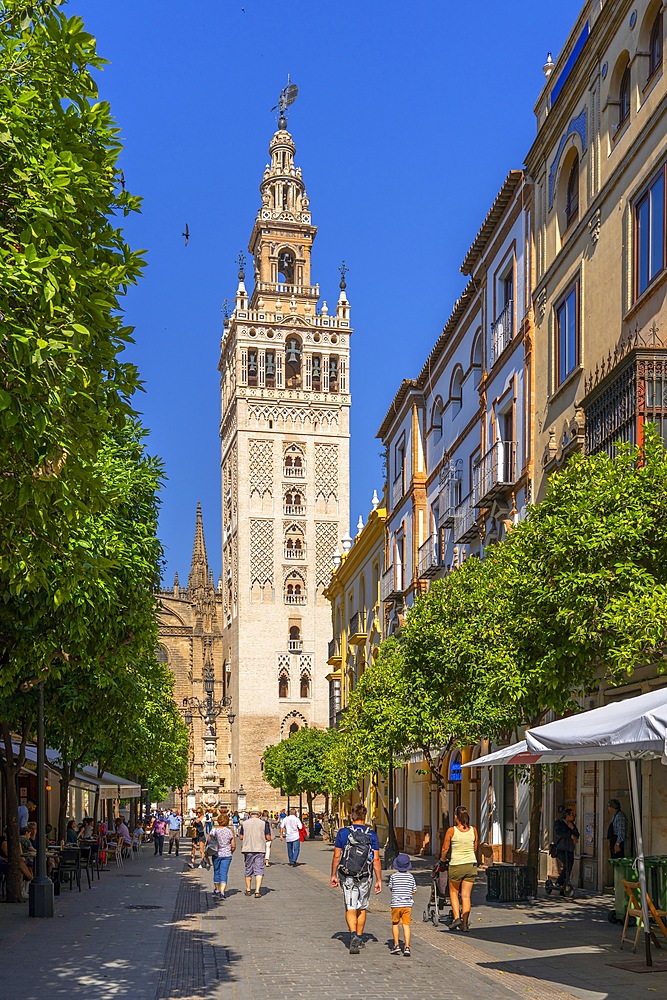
[{"x": 403, "y": 887}]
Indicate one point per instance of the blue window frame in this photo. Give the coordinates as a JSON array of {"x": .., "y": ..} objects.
[
  {"x": 567, "y": 333},
  {"x": 650, "y": 233}
]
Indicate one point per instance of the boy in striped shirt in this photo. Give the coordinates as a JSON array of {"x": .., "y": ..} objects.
[{"x": 403, "y": 887}]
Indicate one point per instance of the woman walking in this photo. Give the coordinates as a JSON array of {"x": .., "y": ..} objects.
[
  {"x": 199, "y": 839},
  {"x": 461, "y": 840},
  {"x": 224, "y": 837}
]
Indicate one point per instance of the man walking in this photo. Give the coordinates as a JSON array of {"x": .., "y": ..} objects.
[
  {"x": 289, "y": 831},
  {"x": 255, "y": 838},
  {"x": 174, "y": 831},
  {"x": 355, "y": 864},
  {"x": 617, "y": 831}
]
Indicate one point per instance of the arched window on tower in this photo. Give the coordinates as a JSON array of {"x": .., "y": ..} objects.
[
  {"x": 252, "y": 367},
  {"x": 304, "y": 686},
  {"x": 283, "y": 685},
  {"x": 317, "y": 372},
  {"x": 294, "y": 728},
  {"x": 286, "y": 267},
  {"x": 270, "y": 369},
  {"x": 293, "y": 355}
]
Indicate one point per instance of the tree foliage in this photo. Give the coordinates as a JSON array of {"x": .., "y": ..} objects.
[{"x": 63, "y": 265}]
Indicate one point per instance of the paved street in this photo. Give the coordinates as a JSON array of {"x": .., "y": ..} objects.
[{"x": 152, "y": 931}]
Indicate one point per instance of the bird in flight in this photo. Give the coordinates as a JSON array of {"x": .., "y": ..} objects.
[{"x": 186, "y": 234}]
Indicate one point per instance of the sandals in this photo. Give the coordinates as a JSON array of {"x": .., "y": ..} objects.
[
  {"x": 257, "y": 895},
  {"x": 248, "y": 892}
]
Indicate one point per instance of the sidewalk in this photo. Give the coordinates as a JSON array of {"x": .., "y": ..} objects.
[{"x": 108, "y": 941}]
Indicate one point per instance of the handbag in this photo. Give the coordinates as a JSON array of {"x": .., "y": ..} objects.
[
  {"x": 302, "y": 834},
  {"x": 190, "y": 831},
  {"x": 211, "y": 850}
]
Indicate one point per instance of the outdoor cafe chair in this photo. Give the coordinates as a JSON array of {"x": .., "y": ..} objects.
[
  {"x": 635, "y": 910},
  {"x": 86, "y": 851},
  {"x": 70, "y": 866}
]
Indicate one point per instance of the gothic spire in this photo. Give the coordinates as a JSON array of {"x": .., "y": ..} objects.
[{"x": 199, "y": 568}]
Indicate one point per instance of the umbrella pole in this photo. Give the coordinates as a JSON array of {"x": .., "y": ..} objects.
[{"x": 636, "y": 809}]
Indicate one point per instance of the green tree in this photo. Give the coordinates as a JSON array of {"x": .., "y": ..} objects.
[
  {"x": 300, "y": 764},
  {"x": 88, "y": 646},
  {"x": 64, "y": 264}
]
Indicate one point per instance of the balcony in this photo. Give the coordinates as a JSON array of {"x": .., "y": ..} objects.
[
  {"x": 294, "y": 510},
  {"x": 334, "y": 658},
  {"x": 357, "y": 633},
  {"x": 495, "y": 471},
  {"x": 502, "y": 331},
  {"x": 295, "y": 645},
  {"x": 465, "y": 524},
  {"x": 429, "y": 562},
  {"x": 294, "y": 472},
  {"x": 392, "y": 583},
  {"x": 294, "y": 598},
  {"x": 292, "y": 552},
  {"x": 397, "y": 491}
]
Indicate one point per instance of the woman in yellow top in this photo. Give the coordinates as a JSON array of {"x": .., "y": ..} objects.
[{"x": 461, "y": 840}]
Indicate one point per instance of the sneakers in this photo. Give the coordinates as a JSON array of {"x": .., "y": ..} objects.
[
  {"x": 456, "y": 925},
  {"x": 406, "y": 953},
  {"x": 396, "y": 950},
  {"x": 354, "y": 945}
]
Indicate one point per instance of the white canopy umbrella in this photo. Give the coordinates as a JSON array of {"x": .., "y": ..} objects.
[{"x": 632, "y": 729}]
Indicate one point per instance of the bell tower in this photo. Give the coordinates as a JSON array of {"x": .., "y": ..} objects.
[{"x": 284, "y": 381}]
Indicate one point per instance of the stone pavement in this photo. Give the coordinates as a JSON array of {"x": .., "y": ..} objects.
[{"x": 293, "y": 942}]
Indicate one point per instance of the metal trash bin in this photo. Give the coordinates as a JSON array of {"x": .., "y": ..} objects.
[
  {"x": 510, "y": 883},
  {"x": 623, "y": 868}
]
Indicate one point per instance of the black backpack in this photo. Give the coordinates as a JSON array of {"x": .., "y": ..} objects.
[{"x": 355, "y": 860}]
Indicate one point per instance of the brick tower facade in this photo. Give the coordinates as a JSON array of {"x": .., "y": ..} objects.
[{"x": 284, "y": 381}]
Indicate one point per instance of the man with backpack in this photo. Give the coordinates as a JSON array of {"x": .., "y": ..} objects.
[{"x": 356, "y": 862}]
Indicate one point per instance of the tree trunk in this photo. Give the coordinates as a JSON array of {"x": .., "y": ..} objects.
[
  {"x": 311, "y": 822},
  {"x": 535, "y": 818},
  {"x": 326, "y": 804},
  {"x": 62, "y": 803},
  {"x": 11, "y": 766}
]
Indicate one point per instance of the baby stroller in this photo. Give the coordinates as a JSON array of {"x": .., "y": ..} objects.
[{"x": 439, "y": 895}]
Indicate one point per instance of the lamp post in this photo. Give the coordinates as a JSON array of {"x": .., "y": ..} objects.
[{"x": 209, "y": 709}]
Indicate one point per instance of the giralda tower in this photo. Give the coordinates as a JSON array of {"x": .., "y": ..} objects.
[{"x": 284, "y": 382}]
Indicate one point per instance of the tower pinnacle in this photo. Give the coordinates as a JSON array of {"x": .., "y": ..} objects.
[{"x": 199, "y": 567}]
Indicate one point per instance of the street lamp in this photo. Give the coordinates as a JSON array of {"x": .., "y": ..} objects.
[{"x": 207, "y": 708}]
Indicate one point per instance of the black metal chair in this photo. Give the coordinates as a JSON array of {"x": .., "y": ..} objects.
[
  {"x": 85, "y": 852},
  {"x": 70, "y": 866}
]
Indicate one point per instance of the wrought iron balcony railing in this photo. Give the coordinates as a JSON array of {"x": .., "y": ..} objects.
[
  {"x": 495, "y": 471},
  {"x": 429, "y": 561},
  {"x": 502, "y": 331},
  {"x": 465, "y": 524},
  {"x": 357, "y": 627}
]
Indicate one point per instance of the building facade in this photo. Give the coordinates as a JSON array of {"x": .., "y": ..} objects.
[
  {"x": 599, "y": 164},
  {"x": 284, "y": 381},
  {"x": 190, "y": 633}
]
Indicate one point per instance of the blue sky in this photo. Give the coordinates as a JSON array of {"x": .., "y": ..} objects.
[{"x": 409, "y": 117}]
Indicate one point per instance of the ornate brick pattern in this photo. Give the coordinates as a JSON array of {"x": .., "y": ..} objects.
[
  {"x": 260, "y": 457},
  {"x": 326, "y": 540},
  {"x": 326, "y": 471},
  {"x": 261, "y": 552}
]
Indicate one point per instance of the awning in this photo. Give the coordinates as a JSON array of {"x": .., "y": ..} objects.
[{"x": 110, "y": 786}]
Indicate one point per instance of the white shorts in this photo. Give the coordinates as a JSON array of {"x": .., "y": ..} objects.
[{"x": 356, "y": 892}]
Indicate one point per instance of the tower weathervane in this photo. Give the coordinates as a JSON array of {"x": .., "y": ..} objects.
[
  {"x": 343, "y": 271},
  {"x": 288, "y": 95}
]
